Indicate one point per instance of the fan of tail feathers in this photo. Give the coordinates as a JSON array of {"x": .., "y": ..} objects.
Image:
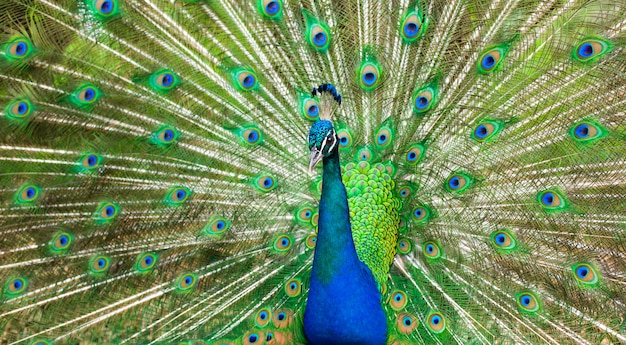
[{"x": 154, "y": 184}]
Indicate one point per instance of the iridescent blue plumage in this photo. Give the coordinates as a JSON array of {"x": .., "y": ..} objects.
[{"x": 344, "y": 304}]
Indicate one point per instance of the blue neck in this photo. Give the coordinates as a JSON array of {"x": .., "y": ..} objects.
[{"x": 344, "y": 304}]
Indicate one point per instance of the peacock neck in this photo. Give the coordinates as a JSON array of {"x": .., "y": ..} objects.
[
  {"x": 343, "y": 306},
  {"x": 334, "y": 241}
]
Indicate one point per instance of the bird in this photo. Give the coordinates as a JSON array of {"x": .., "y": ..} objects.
[{"x": 312, "y": 172}]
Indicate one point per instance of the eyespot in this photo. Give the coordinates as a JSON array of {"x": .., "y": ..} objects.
[
  {"x": 270, "y": 8},
  {"x": 251, "y": 136},
  {"x": 245, "y": 79},
  {"x": 217, "y": 226},
  {"x": 398, "y": 300},
  {"x": 303, "y": 215},
  {"x": 106, "y": 212},
  {"x": 60, "y": 242},
  {"x": 28, "y": 193},
  {"x": 85, "y": 95},
  {"x": 527, "y": 302},
  {"x": 384, "y": 137},
  {"x": 587, "y": 131},
  {"x": 90, "y": 161},
  {"x": 317, "y": 32},
  {"x": 552, "y": 200},
  {"x": 311, "y": 241},
  {"x": 404, "y": 192},
  {"x": 282, "y": 318},
  {"x": 19, "y": 109},
  {"x": 345, "y": 138},
  {"x": 18, "y": 49},
  {"x": 415, "y": 154},
  {"x": 490, "y": 59},
  {"x": 263, "y": 317},
  {"x": 177, "y": 196},
  {"x": 293, "y": 287},
  {"x": 413, "y": 26},
  {"x": 431, "y": 250},
  {"x": 369, "y": 75},
  {"x": 164, "y": 136},
  {"x": 420, "y": 214},
  {"x": 145, "y": 262},
  {"x": 99, "y": 264},
  {"x": 186, "y": 282},
  {"x": 253, "y": 338},
  {"x": 163, "y": 80},
  {"x": 15, "y": 286},
  {"x": 404, "y": 246},
  {"x": 458, "y": 182},
  {"x": 486, "y": 130},
  {"x": 319, "y": 38},
  {"x": 104, "y": 8},
  {"x": 282, "y": 243},
  {"x": 265, "y": 183},
  {"x": 364, "y": 154},
  {"x": 586, "y": 274},
  {"x": 309, "y": 108},
  {"x": 591, "y": 49},
  {"x": 436, "y": 322},
  {"x": 406, "y": 323},
  {"x": 424, "y": 99},
  {"x": 503, "y": 240}
]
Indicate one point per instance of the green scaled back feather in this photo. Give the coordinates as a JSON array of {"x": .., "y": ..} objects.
[{"x": 154, "y": 185}]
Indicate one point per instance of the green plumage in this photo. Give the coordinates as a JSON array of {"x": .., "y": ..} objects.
[{"x": 154, "y": 185}]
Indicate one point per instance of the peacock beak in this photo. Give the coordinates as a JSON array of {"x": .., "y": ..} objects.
[{"x": 316, "y": 157}]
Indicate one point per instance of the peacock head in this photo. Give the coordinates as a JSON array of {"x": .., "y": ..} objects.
[{"x": 322, "y": 142}]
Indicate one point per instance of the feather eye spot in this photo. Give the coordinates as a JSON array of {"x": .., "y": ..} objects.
[
  {"x": 105, "y": 7},
  {"x": 491, "y": 59},
  {"x": 263, "y": 317},
  {"x": 436, "y": 322},
  {"x": 252, "y": 136},
  {"x": 217, "y": 226},
  {"x": 186, "y": 282},
  {"x": 503, "y": 240},
  {"x": 384, "y": 138},
  {"x": 591, "y": 49},
  {"x": 265, "y": 183},
  {"x": 60, "y": 242},
  {"x": 431, "y": 250},
  {"x": 15, "y": 286},
  {"x": 145, "y": 262},
  {"x": 398, "y": 300},
  {"x": 458, "y": 182},
  {"x": 527, "y": 302},
  {"x": 415, "y": 154},
  {"x": 282, "y": 243},
  {"x": 404, "y": 192},
  {"x": 411, "y": 29},
  {"x": 552, "y": 200},
  {"x": 320, "y": 38},
  {"x": 311, "y": 241},
  {"x": 18, "y": 49},
  {"x": 345, "y": 139},
  {"x": 404, "y": 246},
  {"x": 18, "y": 109},
  {"x": 422, "y": 102},
  {"x": 586, "y": 274},
  {"x": 406, "y": 323},
  {"x": 106, "y": 212},
  {"x": 99, "y": 264},
  {"x": 293, "y": 288},
  {"x": 272, "y": 8},
  {"x": 420, "y": 214},
  {"x": 27, "y": 194}
]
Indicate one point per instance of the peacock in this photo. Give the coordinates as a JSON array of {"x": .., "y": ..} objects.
[{"x": 312, "y": 172}]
